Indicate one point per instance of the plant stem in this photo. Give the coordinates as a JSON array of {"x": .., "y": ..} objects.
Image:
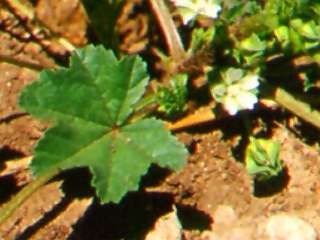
[
  {"x": 246, "y": 122},
  {"x": 292, "y": 103},
  {"x": 169, "y": 29},
  {"x": 8, "y": 208}
]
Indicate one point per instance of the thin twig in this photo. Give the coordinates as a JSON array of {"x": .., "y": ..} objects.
[
  {"x": 169, "y": 29},
  {"x": 22, "y": 63},
  {"x": 292, "y": 103},
  {"x": 203, "y": 115},
  {"x": 28, "y": 13},
  {"x": 12, "y": 116}
]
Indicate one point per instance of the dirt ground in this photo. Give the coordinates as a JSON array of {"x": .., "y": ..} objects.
[{"x": 214, "y": 196}]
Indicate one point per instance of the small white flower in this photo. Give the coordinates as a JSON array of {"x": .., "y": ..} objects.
[
  {"x": 230, "y": 104},
  {"x": 189, "y": 9},
  {"x": 250, "y": 81},
  {"x": 237, "y": 92},
  {"x": 246, "y": 100}
]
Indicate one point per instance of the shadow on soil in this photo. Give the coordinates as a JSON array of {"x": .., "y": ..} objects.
[
  {"x": 193, "y": 219},
  {"x": 136, "y": 214},
  {"x": 8, "y": 183},
  {"x": 131, "y": 219},
  {"x": 6, "y": 154},
  {"x": 271, "y": 186}
]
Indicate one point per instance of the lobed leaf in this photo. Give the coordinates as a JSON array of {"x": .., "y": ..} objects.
[{"x": 89, "y": 103}]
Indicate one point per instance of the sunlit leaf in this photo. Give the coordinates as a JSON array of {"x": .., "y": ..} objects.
[{"x": 89, "y": 104}]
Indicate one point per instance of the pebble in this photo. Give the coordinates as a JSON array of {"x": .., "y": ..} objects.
[
  {"x": 285, "y": 227},
  {"x": 167, "y": 227},
  {"x": 231, "y": 234},
  {"x": 224, "y": 214}
]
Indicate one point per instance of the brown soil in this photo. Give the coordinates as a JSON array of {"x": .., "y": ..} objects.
[{"x": 213, "y": 178}]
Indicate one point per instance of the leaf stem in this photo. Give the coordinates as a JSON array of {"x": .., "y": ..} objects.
[
  {"x": 8, "y": 208},
  {"x": 143, "y": 108},
  {"x": 145, "y": 101},
  {"x": 172, "y": 37},
  {"x": 246, "y": 122}
]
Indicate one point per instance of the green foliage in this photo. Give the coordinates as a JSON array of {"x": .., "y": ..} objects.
[
  {"x": 316, "y": 11},
  {"x": 262, "y": 159},
  {"x": 297, "y": 32},
  {"x": 173, "y": 100},
  {"x": 299, "y": 37},
  {"x": 201, "y": 39},
  {"x": 249, "y": 50},
  {"x": 253, "y": 44},
  {"x": 89, "y": 104},
  {"x": 103, "y": 16},
  {"x": 287, "y": 9},
  {"x": 250, "y": 34},
  {"x": 235, "y": 9}
]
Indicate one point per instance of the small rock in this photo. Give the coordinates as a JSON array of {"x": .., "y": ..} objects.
[
  {"x": 224, "y": 214},
  {"x": 167, "y": 227},
  {"x": 208, "y": 235},
  {"x": 284, "y": 227},
  {"x": 236, "y": 233}
]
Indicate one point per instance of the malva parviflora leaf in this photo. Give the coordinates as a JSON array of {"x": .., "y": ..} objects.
[{"x": 89, "y": 104}]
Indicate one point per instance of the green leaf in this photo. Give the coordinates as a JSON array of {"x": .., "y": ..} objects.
[
  {"x": 89, "y": 104},
  {"x": 235, "y": 10},
  {"x": 201, "y": 39},
  {"x": 103, "y": 16},
  {"x": 172, "y": 100},
  {"x": 286, "y": 9},
  {"x": 296, "y": 41},
  {"x": 253, "y": 44},
  {"x": 282, "y": 34},
  {"x": 316, "y": 57},
  {"x": 311, "y": 31},
  {"x": 262, "y": 158}
]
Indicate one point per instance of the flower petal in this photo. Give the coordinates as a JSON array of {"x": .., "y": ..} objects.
[
  {"x": 246, "y": 100},
  {"x": 233, "y": 90},
  {"x": 183, "y": 3},
  {"x": 210, "y": 10},
  {"x": 230, "y": 105},
  {"x": 189, "y": 9},
  {"x": 233, "y": 75},
  {"x": 250, "y": 81},
  {"x": 187, "y": 15}
]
